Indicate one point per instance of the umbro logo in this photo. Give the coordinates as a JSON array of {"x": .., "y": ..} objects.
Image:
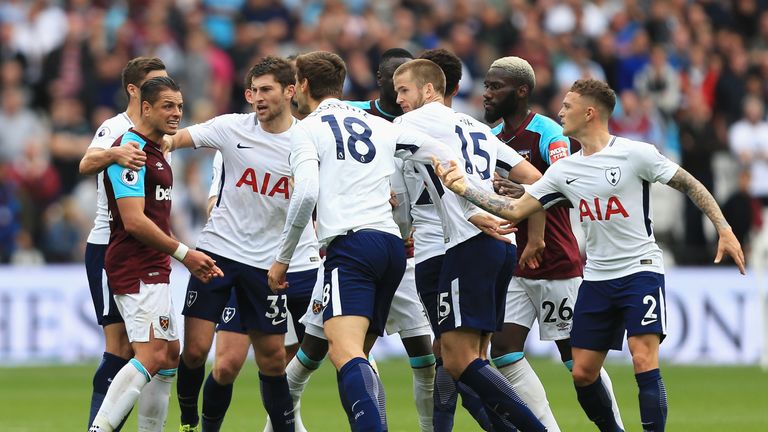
[
  {"x": 569, "y": 181},
  {"x": 240, "y": 146}
]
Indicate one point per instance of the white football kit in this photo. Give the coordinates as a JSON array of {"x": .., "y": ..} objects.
[
  {"x": 610, "y": 191},
  {"x": 245, "y": 223}
]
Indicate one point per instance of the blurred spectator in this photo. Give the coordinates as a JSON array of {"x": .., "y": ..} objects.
[
  {"x": 730, "y": 89},
  {"x": 743, "y": 212},
  {"x": 39, "y": 30},
  {"x": 636, "y": 120},
  {"x": 71, "y": 135},
  {"x": 62, "y": 237},
  {"x": 748, "y": 138},
  {"x": 577, "y": 65},
  {"x": 26, "y": 254},
  {"x": 659, "y": 81},
  {"x": 698, "y": 144},
  {"x": 10, "y": 213},
  {"x": 17, "y": 122}
]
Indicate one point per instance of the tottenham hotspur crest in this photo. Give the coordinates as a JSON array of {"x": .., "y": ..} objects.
[
  {"x": 613, "y": 175},
  {"x": 191, "y": 297},
  {"x": 227, "y": 314}
]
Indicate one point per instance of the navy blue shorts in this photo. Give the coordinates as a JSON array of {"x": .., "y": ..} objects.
[
  {"x": 605, "y": 309},
  {"x": 299, "y": 293},
  {"x": 103, "y": 301},
  {"x": 259, "y": 308},
  {"x": 427, "y": 285},
  {"x": 473, "y": 284},
  {"x": 362, "y": 272}
]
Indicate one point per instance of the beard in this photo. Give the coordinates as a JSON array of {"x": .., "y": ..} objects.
[{"x": 507, "y": 106}]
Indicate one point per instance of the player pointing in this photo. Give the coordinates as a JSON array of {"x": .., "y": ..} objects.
[{"x": 608, "y": 182}]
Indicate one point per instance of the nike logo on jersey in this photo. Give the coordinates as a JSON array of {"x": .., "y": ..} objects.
[
  {"x": 569, "y": 181},
  {"x": 645, "y": 322},
  {"x": 240, "y": 146},
  {"x": 275, "y": 321}
]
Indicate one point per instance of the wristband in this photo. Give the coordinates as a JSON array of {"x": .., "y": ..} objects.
[{"x": 181, "y": 252}]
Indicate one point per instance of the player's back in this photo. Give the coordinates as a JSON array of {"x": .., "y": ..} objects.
[{"x": 356, "y": 152}]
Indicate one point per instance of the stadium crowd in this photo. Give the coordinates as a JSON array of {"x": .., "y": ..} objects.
[{"x": 691, "y": 76}]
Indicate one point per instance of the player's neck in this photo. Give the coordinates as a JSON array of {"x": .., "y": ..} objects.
[
  {"x": 133, "y": 111},
  {"x": 280, "y": 124},
  {"x": 593, "y": 140},
  {"x": 390, "y": 107},
  {"x": 147, "y": 131},
  {"x": 513, "y": 120},
  {"x": 448, "y": 101}
]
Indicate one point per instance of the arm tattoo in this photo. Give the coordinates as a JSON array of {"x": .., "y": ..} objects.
[
  {"x": 497, "y": 204},
  {"x": 686, "y": 183}
]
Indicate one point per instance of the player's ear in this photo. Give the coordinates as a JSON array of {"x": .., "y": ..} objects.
[
  {"x": 290, "y": 91},
  {"x": 249, "y": 95},
  {"x": 132, "y": 90}
]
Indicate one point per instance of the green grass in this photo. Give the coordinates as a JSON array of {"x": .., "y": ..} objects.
[{"x": 700, "y": 398}]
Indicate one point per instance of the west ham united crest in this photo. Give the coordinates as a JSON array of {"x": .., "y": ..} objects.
[
  {"x": 613, "y": 175},
  {"x": 228, "y": 314},
  {"x": 317, "y": 306},
  {"x": 164, "y": 322},
  {"x": 191, "y": 297}
]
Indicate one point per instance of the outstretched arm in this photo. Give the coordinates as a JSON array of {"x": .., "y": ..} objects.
[
  {"x": 727, "y": 244},
  {"x": 513, "y": 210}
]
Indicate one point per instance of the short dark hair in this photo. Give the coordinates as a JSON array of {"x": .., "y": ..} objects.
[
  {"x": 278, "y": 67},
  {"x": 137, "y": 69},
  {"x": 424, "y": 71},
  {"x": 324, "y": 71},
  {"x": 449, "y": 63},
  {"x": 395, "y": 53},
  {"x": 597, "y": 90},
  {"x": 151, "y": 89}
]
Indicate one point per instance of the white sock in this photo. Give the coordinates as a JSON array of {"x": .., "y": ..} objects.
[
  {"x": 122, "y": 394},
  {"x": 528, "y": 386},
  {"x": 423, "y": 382},
  {"x": 153, "y": 401},
  {"x": 608, "y": 384},
  {"x": 298, "y": 377}
]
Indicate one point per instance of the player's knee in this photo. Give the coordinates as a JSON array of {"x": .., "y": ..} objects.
[
  {"x": 195, "y": 355},
  {"x": 225, "y": 371},
  {"x": 584, "y": 376},
  {"x": 643, "y": 362},
  {"x": 455, "y": 366},
  {"x": 271, "y": 360}
]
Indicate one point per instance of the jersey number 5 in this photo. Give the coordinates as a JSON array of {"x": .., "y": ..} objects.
[{"x": 354, "y": 137}]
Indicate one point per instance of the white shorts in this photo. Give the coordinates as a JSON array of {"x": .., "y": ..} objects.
[
  {"x": 151, "y": 307},
  {"x": 291, "y": 338},
  {"x": 548, "y": 301},
  {"x": 406, "y": 315}
]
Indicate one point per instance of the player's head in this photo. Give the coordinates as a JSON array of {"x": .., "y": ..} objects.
[
  {"x": 418, "y": 82},
  {"x": 161, "y": 105},
  {"x": 588, "y": 102},
  {"x": 319, "y": 75},
  {"x": 508, "y": 83},
  {"x": 269, "y": 88},
  {"x": 139, "y": 70},
  {"x": 450, "y": 64},
  {"x": 390, "y": 60}
]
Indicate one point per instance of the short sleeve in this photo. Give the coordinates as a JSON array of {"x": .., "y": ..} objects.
[
  {"x": 104, "y": 137},
  {"x": 651, "y": 165},
  {"x": 506, "y": 156},
  {"x": 209, "y": 134},
  {"x": 126, "y": 182},
  {"x": 545, "y": 189}
]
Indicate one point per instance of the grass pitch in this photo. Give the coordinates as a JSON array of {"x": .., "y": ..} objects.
[{"x": 700, "y": 398}]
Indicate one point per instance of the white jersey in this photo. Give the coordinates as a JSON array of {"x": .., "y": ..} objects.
[
  {"x": 355, "y": 153},
  {"x": 216, "y": 170},
  {"x": 610, "y": 190},
  {"x": 480, "y": 150},
  {"x": 105, "y": 136},
  {"x": 428, "y": 238},
  {"x": 246, "y": 223}
]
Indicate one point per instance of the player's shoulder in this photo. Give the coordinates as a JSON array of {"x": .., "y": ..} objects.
[
  {"x": 111, "y": 129},
  {"x": 496, "y": 130},
  {"x": 363, "y": 105},
  {"x": 545, "y": 126},
  {"x": 234, "y": 120}
]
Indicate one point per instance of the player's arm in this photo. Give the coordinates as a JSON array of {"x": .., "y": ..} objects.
[
  {"x": 727, "y": 244},
  {"x": 97, "y": 159},
  {"x": 181, "y": 139},
  {"x": 511, "y": 209},
  {"x": 140, "y": 227},
  {"x": 213, "y": 191}
]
